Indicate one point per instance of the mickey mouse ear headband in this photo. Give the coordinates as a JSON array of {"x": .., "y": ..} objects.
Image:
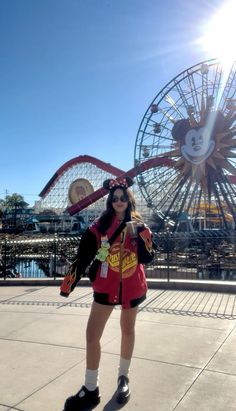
[{"x": 123, "y": 182}]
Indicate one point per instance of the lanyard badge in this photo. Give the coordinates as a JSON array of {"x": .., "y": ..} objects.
[{"x": 102, "y": 254}]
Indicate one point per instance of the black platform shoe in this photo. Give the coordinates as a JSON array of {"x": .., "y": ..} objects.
[
  {"x": 82, "y": 400},
  {"x": 123, "y": 391}
]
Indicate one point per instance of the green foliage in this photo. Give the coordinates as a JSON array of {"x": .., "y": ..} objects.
[{"x": 13, "y": 201}]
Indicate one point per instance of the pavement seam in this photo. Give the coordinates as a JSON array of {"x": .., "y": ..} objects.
[
  {"x": 182, "y": 325},
  {"x": 41, "y": 343},
  {"x": 48, "y": 383},
  {"x": 220, "y": 372},
  {"x": 204, "y": 368},
  {"x": 165, "y": 362},
  {"x": 11, "y": 408},
  {"x": 43, "y": 313},
  {"x": 21, "y": 295}
]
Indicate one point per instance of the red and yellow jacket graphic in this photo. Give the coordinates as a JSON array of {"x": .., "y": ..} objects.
[
  {"x": 123, "y": 268},
  {"x": 123, "y": 264}
]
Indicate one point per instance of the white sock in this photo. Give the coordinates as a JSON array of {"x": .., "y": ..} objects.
[
  {"x": 124, "y": 367},
  {"x": 91, "y": 379}
]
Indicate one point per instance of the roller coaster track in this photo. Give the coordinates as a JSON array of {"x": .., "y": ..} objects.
[{"x": 78, "y": 160}]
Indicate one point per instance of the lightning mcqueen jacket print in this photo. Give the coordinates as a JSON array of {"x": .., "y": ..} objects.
[{"x": 121, "y": 277}]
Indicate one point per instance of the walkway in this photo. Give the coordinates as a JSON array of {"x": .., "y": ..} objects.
[{"x": 184, "y": 359}]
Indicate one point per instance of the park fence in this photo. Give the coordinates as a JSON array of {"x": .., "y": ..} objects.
[{"x": 209, "y": 255}]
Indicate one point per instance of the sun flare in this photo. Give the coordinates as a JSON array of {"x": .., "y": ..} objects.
[{"x": 219, "y": 35}]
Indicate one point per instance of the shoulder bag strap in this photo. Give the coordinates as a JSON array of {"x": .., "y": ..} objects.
[{"x": 116, "y": 233}]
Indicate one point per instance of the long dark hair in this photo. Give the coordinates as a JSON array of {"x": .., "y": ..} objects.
[{"x": 107, "y": 216}]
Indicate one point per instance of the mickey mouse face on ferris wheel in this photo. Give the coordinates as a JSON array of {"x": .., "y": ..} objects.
[{"x": 198, "y": 143}]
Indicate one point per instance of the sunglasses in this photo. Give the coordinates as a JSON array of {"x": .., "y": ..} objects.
[{"x": 123, "y": 199}]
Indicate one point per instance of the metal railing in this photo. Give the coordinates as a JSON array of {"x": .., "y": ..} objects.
[
  {"x": 195, "y": 256},
  {"x": 37, "y": 255},
  {"x": 178, "y": 256}
]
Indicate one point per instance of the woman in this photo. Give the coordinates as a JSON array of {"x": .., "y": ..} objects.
[{"x": 119, "y": 279}]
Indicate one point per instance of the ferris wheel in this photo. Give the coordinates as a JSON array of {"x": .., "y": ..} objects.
[{"x": 185, "y": 150}]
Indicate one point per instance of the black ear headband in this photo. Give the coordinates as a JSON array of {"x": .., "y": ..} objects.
[{"x": 123, "y": 182}]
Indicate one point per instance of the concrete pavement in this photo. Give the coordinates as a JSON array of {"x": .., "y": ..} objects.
[{"x": 184, "y": 358}]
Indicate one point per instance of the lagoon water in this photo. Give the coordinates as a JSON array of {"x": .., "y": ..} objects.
[{"x": 30, "y": 269}]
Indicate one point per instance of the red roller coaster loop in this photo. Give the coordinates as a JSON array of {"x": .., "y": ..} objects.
[{"x": 77, "y": 160}]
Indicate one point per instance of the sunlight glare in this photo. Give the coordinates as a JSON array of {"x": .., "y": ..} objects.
[{"x": 220, "y": 34}]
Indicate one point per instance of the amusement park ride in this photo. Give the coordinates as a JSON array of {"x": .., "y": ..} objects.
[{"x": 185, "y": 154}]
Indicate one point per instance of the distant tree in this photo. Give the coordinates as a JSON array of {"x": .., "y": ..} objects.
[
  {"x": 2, "y": 203},
  {"x": 2, "y": 208},
  {"x": 1, "y": 213},
  {"x": 13, "y": 202}
]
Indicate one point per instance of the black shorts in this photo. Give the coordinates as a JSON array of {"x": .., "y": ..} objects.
[{"x": 102, "y": 298}]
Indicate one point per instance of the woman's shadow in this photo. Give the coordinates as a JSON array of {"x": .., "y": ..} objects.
[{"x": 112, "y": 405}]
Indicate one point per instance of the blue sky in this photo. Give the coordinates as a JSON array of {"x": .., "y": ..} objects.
[{"x": 76, "y": 77}]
